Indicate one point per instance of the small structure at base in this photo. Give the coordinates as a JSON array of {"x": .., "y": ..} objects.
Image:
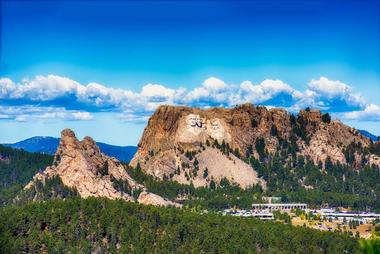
[{"x": 281, "y": 206}]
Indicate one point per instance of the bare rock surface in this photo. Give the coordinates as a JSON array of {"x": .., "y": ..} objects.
[
  {"x": 220, "y": 166},
  {"x": 175, "y": 130},
  {"x": 147, "y": 198},
  {"x": 81, "y": 165}
]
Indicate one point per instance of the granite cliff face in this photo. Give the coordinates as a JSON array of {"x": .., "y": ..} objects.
[
  {"x": 82, "y": 166},
  {"x": 199, "y": 145}
]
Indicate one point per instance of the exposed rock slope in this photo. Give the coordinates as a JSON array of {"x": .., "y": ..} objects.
[
  {"x": 194, "y": 145},
  {"x": 82, "y": 166}
]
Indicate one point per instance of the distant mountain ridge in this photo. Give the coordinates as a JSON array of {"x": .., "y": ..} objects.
[
  {"x": 368, "y": 135},
  {"x": 48, "y": 145}
]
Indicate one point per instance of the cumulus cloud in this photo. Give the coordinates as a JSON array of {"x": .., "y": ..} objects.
[
  {"x": 56, "y": 97},
  {"x": 28, "y": 113},
  {"x": 370, "y": 113},
  {"x": 216, "y": 92},
  {"x": 212, "y": 92},
  {"x": 41, "y": 88},
  {"x": 328, "y": 88},
  {"x": 331, "y": 95},
  {"x": 266, "y": 90}
]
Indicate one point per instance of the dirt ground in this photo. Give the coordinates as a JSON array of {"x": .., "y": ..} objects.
[{"x": 364, "y": 229}]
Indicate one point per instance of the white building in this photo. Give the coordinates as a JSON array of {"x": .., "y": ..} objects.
[
  {"x": 263, "y": 215},
  {"x": 348, "y": 216},
  {"x": 281, "y": 206}
]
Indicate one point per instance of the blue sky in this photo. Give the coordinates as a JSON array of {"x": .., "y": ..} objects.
[{"x": 102, "y": 68}]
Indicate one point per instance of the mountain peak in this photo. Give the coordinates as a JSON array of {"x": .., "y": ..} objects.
[
  {"x": 81, "y": 165},
  {"x": 90, "y": 146},
  {"x": 314, "y": 115},
  {"x": 67, "y": 133},
  {"x": 193, "y": 145}
]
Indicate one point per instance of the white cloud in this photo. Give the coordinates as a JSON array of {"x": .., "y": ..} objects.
[
  {"x": 214, "y": 84},
  {"x": 325, "y": 89},
  {"x": 4, "y": 116},
  {"x": 6, "y": 87},
  {"x": 154, "y": 90},
  {"x": 212, "y": 91},
  {"x": 96, "y": 97},
  {"x": 266, "y": 90},
  {"x": 81, "y": 116},
  {"x": 27, "y": 113},
  {"x": 328, "y": 88},
  {"x": 216, "y": 92},
  {"x": 52, "y": 96},
  {"x": 369, "y": 113},
  {"x": 43, "y": 88}
]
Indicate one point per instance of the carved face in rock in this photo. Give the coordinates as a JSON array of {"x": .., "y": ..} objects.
[
  {"x": 191, "y": 129},
  {"x": 195, "y": 128},
  {"x": 195, "y": 124},
  {"x": 217, "y": 130}
]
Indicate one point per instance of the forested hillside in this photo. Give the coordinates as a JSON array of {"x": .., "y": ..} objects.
[
  {"x": 298, "y": 179},
  {"x": 17, "y": 167},
  {"x": 101, "y": 225},
  {"x": 338, "y": 186}
]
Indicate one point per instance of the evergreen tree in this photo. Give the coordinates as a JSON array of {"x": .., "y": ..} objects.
[
  {"x": 273, "y": 131},
  {"x": 326, "y": 118}
]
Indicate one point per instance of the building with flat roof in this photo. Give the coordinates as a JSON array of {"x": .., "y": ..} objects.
[
  {"x": 262, "y": 215},
  {"x": 280, "y": 206},
  {"x": 364, "y": 217}
]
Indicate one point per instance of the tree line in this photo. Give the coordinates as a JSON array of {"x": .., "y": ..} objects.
[{"x": 100, "y": 225}]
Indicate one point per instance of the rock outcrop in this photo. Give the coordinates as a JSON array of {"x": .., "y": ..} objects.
[
  {"x": 82, "y": 166},
  {"x": 147, "y": 198},
  {"x": 184, "y": 144}
]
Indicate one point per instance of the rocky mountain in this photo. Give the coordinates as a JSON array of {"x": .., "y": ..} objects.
[
  {"x": 82, "y": 166},
  {"x": 48, "y": 145},
  {"x": 200, "y": 146}
]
